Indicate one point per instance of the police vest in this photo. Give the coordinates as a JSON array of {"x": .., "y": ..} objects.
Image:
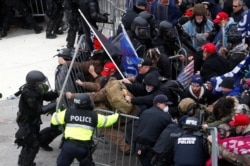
[
  {"x": 87, "y": 119},
  {"x": 189, "y": 149}
]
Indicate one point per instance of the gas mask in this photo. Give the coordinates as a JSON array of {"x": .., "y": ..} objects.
[{"x": 42, "y": 88}]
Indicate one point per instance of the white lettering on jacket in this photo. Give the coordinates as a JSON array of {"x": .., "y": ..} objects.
[
  {"x": 186, "y": 140},
  {"x": 80, "y": 119}
]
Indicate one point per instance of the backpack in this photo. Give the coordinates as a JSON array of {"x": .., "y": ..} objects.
[
  {"x": 114, "y": 92},
  {"x": 173, "y": 90}
]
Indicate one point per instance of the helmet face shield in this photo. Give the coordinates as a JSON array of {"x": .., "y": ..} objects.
[
  {"x": 143, "y": 32},
  {"x": 43, "y": 87},
  {"x": 169, "y": 34}
]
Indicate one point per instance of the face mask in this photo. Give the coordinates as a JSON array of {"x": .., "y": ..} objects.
[
  {"x": 149, "y": 89},
  {"x": 42, "y": 88},
  {"x": 165, "y": 109}
]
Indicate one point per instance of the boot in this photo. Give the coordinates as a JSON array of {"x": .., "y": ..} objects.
[
  {"x": 3, "y": 33},
  {"x": 50, "y": 36},
  {"x": 38, "y": 29},
  {"x": 59, "y": 32},
  {"x": 47, "y": 148}
]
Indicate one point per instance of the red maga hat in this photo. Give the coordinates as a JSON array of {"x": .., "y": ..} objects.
[{"x": 209, "y": 48}]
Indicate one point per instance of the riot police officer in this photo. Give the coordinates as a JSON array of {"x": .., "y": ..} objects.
[
  {"x": 190, "y": 148},
  {"x": 140, "y": 35},
  {"x": 55, "y": 14},
  {"x": 80, "y": 123},
  {"x": 33, "y": 93}
]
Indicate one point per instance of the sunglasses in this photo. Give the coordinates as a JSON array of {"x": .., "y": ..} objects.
[{"x": 234, "y": 6}]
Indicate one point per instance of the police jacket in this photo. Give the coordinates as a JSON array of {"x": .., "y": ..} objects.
[
  {"x": 128, "y": 18},
  {"x": 190, "y": 149},
  {"x": 80, "y": 124},
  {"x": 165, "y": 144},
  {"x": 150, "y": 125},
  {"x": 31, "y": 105},
  {"x": 91, "y": 10}
]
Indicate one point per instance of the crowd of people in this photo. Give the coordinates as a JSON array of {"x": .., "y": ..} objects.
[{"x": 174, "y": 119}]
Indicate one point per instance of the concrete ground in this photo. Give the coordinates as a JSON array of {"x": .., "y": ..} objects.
[{"x": 21, "y": 51}]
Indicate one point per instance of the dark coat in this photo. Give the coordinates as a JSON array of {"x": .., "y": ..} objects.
[
  {"x": 142, "y": 97},
  {"x": 151, "y": 123},
  {"x": 128, "y": 18},
  {"x": 214, "y": 65},
  {"x": 165, "y": 145},
  {"x": 164, "y": 67},
  {"x": 206, "y": 97},
  {"x": 91, "y": 11},
  {"x": 238, "y": 15},
  {"x": 174, "y": 12}
]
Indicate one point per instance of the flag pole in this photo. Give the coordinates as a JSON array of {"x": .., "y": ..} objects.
[{"x": 92, "y": 29}]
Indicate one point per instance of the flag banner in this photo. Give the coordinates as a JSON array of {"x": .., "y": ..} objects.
[
  {"x": 130, "y": 58},
  {"x": 239, "y": 145},
  {"x": 186, "y": 74},
  {"x": 237, "y": 73},
  {"x": 111, "y": 50}
]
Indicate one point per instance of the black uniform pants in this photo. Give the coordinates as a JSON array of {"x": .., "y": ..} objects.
[
  {"x": 144, "y": 154},
  {"x": 30, "y": 147},
  {"x": 73, "y": 149}
]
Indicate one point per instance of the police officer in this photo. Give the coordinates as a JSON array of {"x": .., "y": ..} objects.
[
  {"x": 55, "y": 14},
  {"x": 72, "y": 17},
  {"x": 91, "y": 10},
  {"x": 190, "y": 148},
  {"x": 151, "y": 123},
  {"x": 80, "y": 123},
  {"x": 33, "y": 93}
]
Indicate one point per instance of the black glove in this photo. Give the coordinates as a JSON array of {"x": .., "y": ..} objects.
[
  {"x": 105, "y": 17},
  {"x": 106, "y": 14},
  {"x": 49, "y": 108}
]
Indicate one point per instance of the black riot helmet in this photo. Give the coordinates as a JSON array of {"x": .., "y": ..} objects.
[
  {"x": 148, "y": 16},
  {"x": 83, "y": 101},
  {"x": 35, "y": 77},
  {"x": 141, "y": 27},
  {"x": 167, "y": 30},
  {"x": 191, "y": 123},
  {"x": 67, "y": 53}
]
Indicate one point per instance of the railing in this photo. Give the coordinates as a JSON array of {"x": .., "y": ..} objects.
[{"x": 116, "y": 144}]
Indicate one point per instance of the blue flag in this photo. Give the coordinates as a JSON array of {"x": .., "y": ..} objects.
[
  {"x": 237, "y": 73},
  {"x": 130, "y": 59}
]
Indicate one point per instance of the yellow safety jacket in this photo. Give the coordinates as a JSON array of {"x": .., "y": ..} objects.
[{"x": 80, "y": 124}]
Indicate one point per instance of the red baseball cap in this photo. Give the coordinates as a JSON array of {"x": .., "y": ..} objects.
[
  {"x": 239, "y": 120},
  {"x": 108, "y": 69},
  {"x": 209, "y": 48},
  {"x": 220, "y": 16}
]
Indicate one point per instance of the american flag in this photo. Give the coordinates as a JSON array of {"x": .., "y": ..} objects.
[{"x": 185, "y": 76}]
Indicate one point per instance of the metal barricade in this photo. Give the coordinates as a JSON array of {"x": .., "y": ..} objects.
[
  {"x": 213, "y": 132},
  {"x": 38, "y": 7},
  {"x": 115, "y": 145},
  {"x": 177, "y": 65}
]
